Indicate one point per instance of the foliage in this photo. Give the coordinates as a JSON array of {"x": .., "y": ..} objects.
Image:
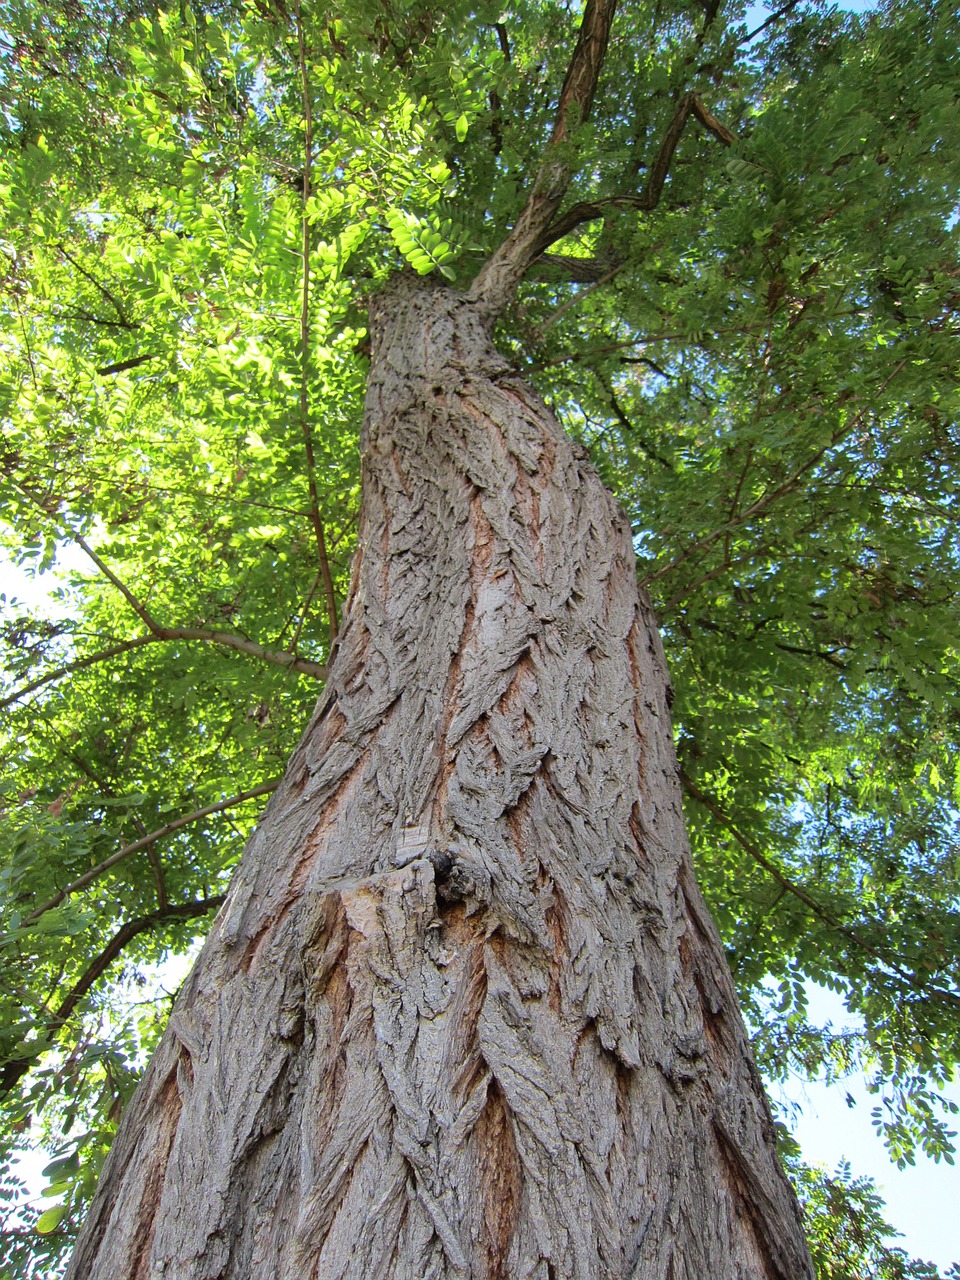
[
  {"x": 847, "y": 1232},
  {"x": 758, "y": 353}
]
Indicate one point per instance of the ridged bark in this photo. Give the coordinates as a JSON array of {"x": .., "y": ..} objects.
[{"x": 464, "y": 1013}]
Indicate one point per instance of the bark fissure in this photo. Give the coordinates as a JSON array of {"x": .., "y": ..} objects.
[{"x": 464, "y": 1013}]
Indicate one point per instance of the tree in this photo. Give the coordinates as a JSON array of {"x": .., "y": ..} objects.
[{"x": 488, "y": 1022}]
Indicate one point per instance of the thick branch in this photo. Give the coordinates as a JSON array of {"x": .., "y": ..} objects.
[
  {"x": 498, "y": 279},
  {"x": 14, "y": 1071},
  {"x": 243, "y": 645},
  {"x": 559, "y": 266},
  {"x": 88, "y": 877},
  {"x": 588, "y": 210},
  {"x": 125, "y": 934},
  {"x": 224, "y": 638}
]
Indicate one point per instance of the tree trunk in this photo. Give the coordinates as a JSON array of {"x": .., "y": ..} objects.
[{"x": 464, "y": 1013}]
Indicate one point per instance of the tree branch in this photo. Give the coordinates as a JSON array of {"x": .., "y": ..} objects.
[
  {"x": 587, "y": 211},
  {"x": 88, "y": 877},
  {"x": 710, "y": 122},
  {"x": 243, "y": 645},
  {"x": 621, "y": 415},
  {"x": 497, "y": 281},
  {"x": 166, "y": 635},
  {"x": 124, "y": 321},
  {"x": 139, "y": 609},
  {"x": 123, "y": 365},
  {"x": 158, "y": 632},
  {"x": 125, "y": 934},
  {"x": 102, "y": 655},
  {"x": 13, "y": 1071},
  {"x": 811, "y": 903},
  {"x": 576, "y": 298},
  {"x": 771, "y": 495},
  {"x": 305, "y": 340},
  {"x": 774, "y": 17},
  {"x": 713, "y": 808},
  {"x": 565, "y": 267}
]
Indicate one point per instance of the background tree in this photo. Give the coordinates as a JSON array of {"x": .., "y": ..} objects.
[{"x": 746, "y": 312}]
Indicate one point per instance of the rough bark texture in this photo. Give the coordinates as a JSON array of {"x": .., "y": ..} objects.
[{"x": 464, "y": 1013}]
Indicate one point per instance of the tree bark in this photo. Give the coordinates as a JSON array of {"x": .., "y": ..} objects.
[{"x": 464, "y": 1013}]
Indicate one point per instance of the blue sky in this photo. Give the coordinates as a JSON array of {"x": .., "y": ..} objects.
[{"x": 922, "y": 1201}]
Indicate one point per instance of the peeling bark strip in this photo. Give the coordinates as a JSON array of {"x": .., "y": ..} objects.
[{"x": 464, "y": 1013}]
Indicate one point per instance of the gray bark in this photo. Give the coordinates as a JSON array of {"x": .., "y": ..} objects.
[{"x": 464, "y": 1013}]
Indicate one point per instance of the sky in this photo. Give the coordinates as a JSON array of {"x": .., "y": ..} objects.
[{"x": 922, "y": 1201}]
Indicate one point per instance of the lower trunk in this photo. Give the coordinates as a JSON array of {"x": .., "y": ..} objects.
[{"x": 464, "y": 1013}]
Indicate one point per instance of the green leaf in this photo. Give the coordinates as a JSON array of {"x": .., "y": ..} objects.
[{"x": 50, "y": 1219}]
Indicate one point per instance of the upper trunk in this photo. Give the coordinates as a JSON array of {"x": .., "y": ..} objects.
[{"x": 464, "y": 1013}]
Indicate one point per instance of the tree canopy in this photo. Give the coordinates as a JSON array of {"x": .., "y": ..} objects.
[{"x": 746, "y": 309}]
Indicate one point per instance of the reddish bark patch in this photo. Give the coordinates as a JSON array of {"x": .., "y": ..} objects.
[
  {"x": 483, "y": 539},
  {"x": 639, "y": 842},
  {"x": 694, "y": 953},
  {"x": 460, "y": 934},
  {"x": 333, "y": 724},
  {"x": 517, "y": 828},
  {"x": 527, "y": 499},
  {"x": 633, "y": 643},
  {"x": 520, "y": 693},
  {"x": 743, "y": 1214},
  {"x": 481, "y": 416},
  {"x": 170, "y": 1105},
  {"x": 556, "y": 923},
  {"x": 304, "y": 865},
  {"x": 500, "y": 1180}
]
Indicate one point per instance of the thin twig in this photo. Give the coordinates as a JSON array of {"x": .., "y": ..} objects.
[
  {"x": 303, "y": 612},
  {"x": 102, "y": 289},
  {"x": 26, "y": 344},
  {"x": 821, "y": 912},
  {"x": 621, "y": 416},
  {"x": 774, "y": 17},
  {"x": 676, "y": 335},
  {"x": 122, "y": 366},
  {"x": 577, "y": 298},
  {"x": 139, "y": 609}
]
